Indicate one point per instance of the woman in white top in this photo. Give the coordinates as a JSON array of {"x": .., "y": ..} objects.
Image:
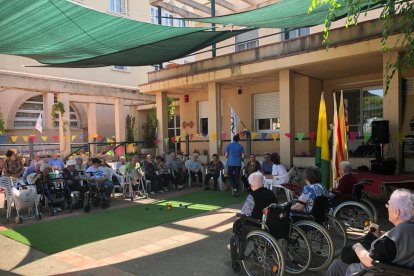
[{"x": 277, "y": 170}]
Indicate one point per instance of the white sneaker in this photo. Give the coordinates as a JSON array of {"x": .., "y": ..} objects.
[
  {"x": 152, "y": 193},
  {"x": 165, "y": 190},
  {"x": 228, "y": 247},
  {"x": 161, "y": 191}
]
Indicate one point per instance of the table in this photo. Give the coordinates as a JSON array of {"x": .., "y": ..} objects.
[{"x": 397, "y": 181}]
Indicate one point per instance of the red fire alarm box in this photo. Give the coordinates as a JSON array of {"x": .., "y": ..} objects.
[{"x": 186, "y": 98}]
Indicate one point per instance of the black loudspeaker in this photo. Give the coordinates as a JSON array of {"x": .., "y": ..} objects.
[
  {"x": 380, "y": 132},
  {"x": 383, "y": 166}
]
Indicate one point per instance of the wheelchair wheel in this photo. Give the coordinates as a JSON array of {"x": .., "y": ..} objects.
[
  {"x": 299, "y": 252},
  {"x": 336, "y": 230},
  {"x": 368, "y": 203},
  {"x": 262, "y": 255},
  {"x": 356, "y": 217},
  {"x": 236, "y": 266},
  {"x": 321, "y": 244}
]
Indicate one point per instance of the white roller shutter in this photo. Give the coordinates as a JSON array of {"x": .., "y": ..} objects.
[
  {"x": 202, "y": 109},
  {"x": 266, "y": 105}
]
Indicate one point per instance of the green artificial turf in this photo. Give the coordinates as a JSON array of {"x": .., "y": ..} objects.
[{"x": 61, "y": 234}]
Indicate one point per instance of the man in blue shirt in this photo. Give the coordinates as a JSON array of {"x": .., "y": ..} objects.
[
  {"x": 234, "y": 155},
  {"x": 55, "y": 162}
]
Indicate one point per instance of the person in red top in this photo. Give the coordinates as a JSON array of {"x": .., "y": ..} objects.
[{"x": 347, "y": 180}]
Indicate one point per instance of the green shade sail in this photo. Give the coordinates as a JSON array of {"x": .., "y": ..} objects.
[
  {"x": 65, "y": 34},
  {"x": 286, "y": 14}
]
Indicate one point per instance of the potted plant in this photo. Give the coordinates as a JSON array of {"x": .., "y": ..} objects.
[{"x": 150, "y": 133}]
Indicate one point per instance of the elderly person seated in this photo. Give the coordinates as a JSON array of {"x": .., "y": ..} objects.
[
  {"x": 55, "y": 162},
  {"x": 213, "y": 170},
  {"x": 178, "y": 170},
  {"x": 394, "y": 247},
  {"x": 347, "y": 180},
  {"x": 37, "y": 159},
  {"x": 35, "y": 168},
  {"x": 252, "y": 166},
  {"x": 267, "y": 164},
  {"x": 194, "y": 166},
  {"x": 80, "y": 167},
  {"x": 98, "y": 174},
  {"x": 312, "y": 189},
  {"x": 12, "y": 165},
  {"x": 277, "y": 170},
  {"x": 73, "y": 179},
  {"x": 150, "y": 173},
  {"x": 121, "y": 162},
  {"x": 258, "y": 199}
]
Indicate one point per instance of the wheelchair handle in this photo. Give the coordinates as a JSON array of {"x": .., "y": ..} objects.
[{"x": 363, "y": 182}]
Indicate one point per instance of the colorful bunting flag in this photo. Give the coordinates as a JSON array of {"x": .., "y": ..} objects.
[
  {"x": 55, "y": 138},
  {"x": 100, "y": 137},
  {"x": 130, "y": 148},
  {"x": 191, "y": 137},
  {"x": 110, "y": 153},
  {"x": 264, "y": 136},
  {"x": 275, "y": 136},
  {"x": 214, "y": 136},
  {"x": 242, "y": 134},
  {"x": 157, "y": 141},
  {"x": 14, "y": 138},
  {"x": 223, "y": 135},
  {"x": 81, "y": 136},
  {"x": 120, "y": 150},
  {"x": 253, "y": 134},
  {"x": 177, "y": 138},
  {"x": 166, "y": 140},
  {"x": 25, "y": 138},
  {"x": 173, "y": 139},
  {"x": 312, "y": 135},
  {"x": 353, "y": 135},
  {"x": 289, "y": 135},
  {"x": 300, "y": 135},
  {"x": 44, "y": 138},
  {"x": 109, "y": 140},
  {"x": 2, "y": 138},
  {"x": 73, "y": 137}
]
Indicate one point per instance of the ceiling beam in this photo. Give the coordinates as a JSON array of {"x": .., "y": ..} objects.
[
  {"x": 175, "y": 10},
  {"x": 267, "y": 3},
  {"x": 225, "y": 4},
  {"x": 196, "y": 5},
  {"x": 249, "y": 2}
]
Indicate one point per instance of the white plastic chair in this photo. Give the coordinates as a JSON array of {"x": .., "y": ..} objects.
[
  {"x": 6, "y": 184},
  {"x": 273, "y": 184},
  {"x": 219, "y": 180},
  {"x": 25, "y": 197}
]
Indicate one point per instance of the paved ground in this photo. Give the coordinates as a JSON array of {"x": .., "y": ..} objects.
[{"x": 194, "y": 246}]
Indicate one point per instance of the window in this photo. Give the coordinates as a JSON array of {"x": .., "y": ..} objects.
[
  {"x": 203, "y": 117},
  {"x": 363, "y": 105},
  {"x": 167, "y": 19},
  {"x": 174, "y": 130},
  {"x": 118, "y": 6},
  {"x": 266, "y": 112},
  {"x": 29, "y": 111},
  {"x": 289, "y": 34},
  {"x": 154, "y": 15},
  {"x": 247, "y": 40}
]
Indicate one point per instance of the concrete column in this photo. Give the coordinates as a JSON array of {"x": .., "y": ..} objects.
[
  {"x": 213, "y": 90},
  {"x": 119, "y": 119},
  {"x": 92, "y": 126},
  {"x": 64, "y": 125},
  {"x": 392, "y": 105},
  {"x": 47, "y": 110},
  {"x": 133, "y": 112},
  {"x": 287, "y": 116},
  {"x": 162, "y": 117}
]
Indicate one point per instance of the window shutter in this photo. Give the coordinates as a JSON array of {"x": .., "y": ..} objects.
[
  {"x": 266, "y": 105},
  {"x": 203, "y": 109}
]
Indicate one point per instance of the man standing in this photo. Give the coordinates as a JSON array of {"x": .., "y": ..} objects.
[{"x": 234, "y": 155}]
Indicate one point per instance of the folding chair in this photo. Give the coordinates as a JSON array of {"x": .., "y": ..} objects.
[{"x": 7, "y": 186}]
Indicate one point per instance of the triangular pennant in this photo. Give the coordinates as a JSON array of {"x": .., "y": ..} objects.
[
  {"x": 14, "y": 138},
  {"x": 242, "y": 134},
  {"x": 119, "y": 150},
  {"x": 253, "y": 134},
  {"x": 214, "y": 136},
  {"x": 100, "y": 137},
  {"x": 2, "y": 138},
  {"x": 191, "y": 137},
  {"x": 108, "y": 140},
  {"x": 401, "y": 137},
  {"x": 73, "y": 137},
  {"x": 44, "y": 138},
  {"x": 312, "y": 135},
  {"x": 275, "y": 136},
  {"x": 173, "y": 139},
  {"x": 223, "y": 135},
  {"x": 55, "y": 138},
  {"x": 81, "y": 136},
  {"x": 264, "y": 136},
  {"x": 177, "y": 138},
  {"x": 166, "y": 140},
  {"x": 110, "y": 153},
  {"x": 367, "y": 136},
  {"x": 198, "y": 135},
  {"x": 25, "y": 138},
  {"x": 288, "y": 135},
  {"x": 32, "y": 137},
  {"x": 300, "y": 135},
  {"x": 353, "y": 135},
  {"x": 130, "y": 148},
  {"x": 157, "y": 141}
]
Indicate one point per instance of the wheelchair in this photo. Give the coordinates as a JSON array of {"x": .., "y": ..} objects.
[
  {"x": 383, "y": 269},
  {"x": 55, "y": 193},
  {"x": 278, "y": 247},
  {"x": 94, "y": 195},
  {"x": 356, "y": 214},
  {"x": 320, "y": 229}
]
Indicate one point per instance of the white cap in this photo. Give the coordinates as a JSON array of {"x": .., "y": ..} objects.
[{"x": 71, "y": 163}]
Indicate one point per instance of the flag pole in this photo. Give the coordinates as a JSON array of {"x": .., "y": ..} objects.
[{"x": 239, "y": 117}]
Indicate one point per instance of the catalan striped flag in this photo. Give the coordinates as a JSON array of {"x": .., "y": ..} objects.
[
  {"x": 322, "y": 143},
  {"x": 339, "y": 145}
]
